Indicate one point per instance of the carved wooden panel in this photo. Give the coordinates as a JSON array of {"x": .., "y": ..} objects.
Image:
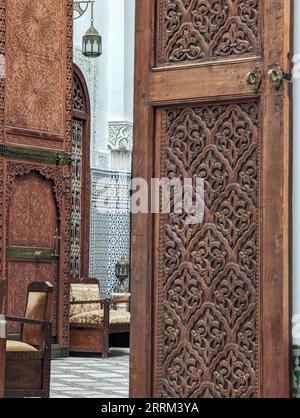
[
  {"x": 201, "y": 30},
  {"x": 32, "y": 224},
  {"x": 35, "y": 70},
  {"x": 208, "y": 331},
  {"x": 2, "y": 80},
  {"x": 32, "y": 217},
  {"x": 38, "y": 87}
]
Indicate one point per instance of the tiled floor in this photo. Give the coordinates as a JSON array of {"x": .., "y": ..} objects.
[{"x": 91, "y": 377}]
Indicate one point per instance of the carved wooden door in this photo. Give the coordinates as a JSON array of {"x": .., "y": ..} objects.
[
  {"x": 210, "y": 314},
  {"x": 80, "y": 168},
  {"x": 33, "y": 241}
]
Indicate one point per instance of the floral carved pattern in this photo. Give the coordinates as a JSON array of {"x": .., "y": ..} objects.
[
  {"x": 39, "y": 84},
  {"x": 36, "y": 22},
  {"x": 207, "y": 29},
  {"x": 184, "y": 370},
  {"x": 209, "y": 254},
  {"x": 233, "y": 293},
  {"x": 78, "y": 95},
  {"x": 184, "y": 292},
  {"x": 189, "y": 138},
  {"x": 234, "y": 215},
  {"x": 215, "y": 172},
  {"x": 208, "y": 278},
  {"x": 209, "y": 333},
  {"x": 39, "y": 72}
]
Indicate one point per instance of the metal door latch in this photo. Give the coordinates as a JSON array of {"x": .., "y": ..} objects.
[{"x": 277, "y": 76}]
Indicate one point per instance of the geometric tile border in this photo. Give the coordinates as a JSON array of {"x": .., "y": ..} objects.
[{"x": 109, "y": 226}]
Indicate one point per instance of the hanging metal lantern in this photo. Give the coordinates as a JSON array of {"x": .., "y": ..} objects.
[
  {"x": 92, "y": 40},
  {"x": 122, "y": 269},
  {"x": 92, "y": 43}
]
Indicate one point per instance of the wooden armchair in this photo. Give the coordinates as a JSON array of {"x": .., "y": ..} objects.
[
  {"x": 2, "y": 339},
  {"x": 89, "y": 318},
  {"x": 28, "y": 360},
  {"x": 2, "y": 295},
  {"x": 120, "y": 313},
  {"x": 92, "y": 320},
  {"x": 2, "y": 355}
]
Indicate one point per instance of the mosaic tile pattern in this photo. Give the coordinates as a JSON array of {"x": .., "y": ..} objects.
[
  {"x": 91, "y": 377},
  {"x": 110, "y": 226},
  {"x": 296, "y": 372}
]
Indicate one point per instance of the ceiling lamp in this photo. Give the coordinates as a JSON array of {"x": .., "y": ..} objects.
[{"x": 92, "y": 40}]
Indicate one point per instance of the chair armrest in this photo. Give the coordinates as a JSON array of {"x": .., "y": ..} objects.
[
  {"x": 27, "y": 321},
  {"x": 89, "y": 302},
  {"x": 119, "y": 301},
  {"x": 46, "y": 327}
]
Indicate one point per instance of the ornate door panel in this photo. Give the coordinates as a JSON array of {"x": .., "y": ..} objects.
[
  {"x": 32, "y": 241},
  {"x": 215, "y": 294},
  {"x": 37, "y": 94}
]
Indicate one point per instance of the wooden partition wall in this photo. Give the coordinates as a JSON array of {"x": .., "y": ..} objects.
[{"x": 35, "y": 149}]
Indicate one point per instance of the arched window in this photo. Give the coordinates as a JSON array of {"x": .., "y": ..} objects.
[{"x": 80, "y": 176}]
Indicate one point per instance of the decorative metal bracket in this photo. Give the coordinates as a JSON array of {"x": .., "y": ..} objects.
[
  {"x": 34, "y": 154},
  {"x": 38, "y": 254},
  {"x": 254, "y": 79},
  {"x": 80, "y": 7}
]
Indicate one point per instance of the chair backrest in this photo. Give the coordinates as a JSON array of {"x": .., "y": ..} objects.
[
  {"x": 38, "y": 307},
  {"x": 84, "y": 289},
  {"x": 2, "y": 295}
]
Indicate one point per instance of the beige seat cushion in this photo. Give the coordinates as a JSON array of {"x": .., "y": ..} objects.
[
  {"x": 17, "y": 347},
  {"x": 92, "y": 317},
  {"x": 84, "y": 292},
  {"x": 96, "y": 317},
  {"x": 119, "y": 317}
]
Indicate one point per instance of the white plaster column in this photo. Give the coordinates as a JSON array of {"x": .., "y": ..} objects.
[
  {"x": 296, "y": 174},
  {"x": 121, "y": 76}
]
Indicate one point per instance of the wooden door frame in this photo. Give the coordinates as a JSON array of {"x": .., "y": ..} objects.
[
  {"x": 142, "y": 224},
  {"x": 276, "y": 181},
  {"x": 86, "y": 172}
]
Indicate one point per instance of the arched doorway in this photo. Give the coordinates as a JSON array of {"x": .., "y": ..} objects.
[
  {"x": 32, "y": 250},
  {"x": 80, "y": 176}
]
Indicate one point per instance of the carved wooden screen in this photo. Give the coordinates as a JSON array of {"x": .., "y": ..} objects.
[
  {"x": 219, "y": 290},
  {"x": 36, "y": 138},
  {"x": 80, "y": 176}
]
